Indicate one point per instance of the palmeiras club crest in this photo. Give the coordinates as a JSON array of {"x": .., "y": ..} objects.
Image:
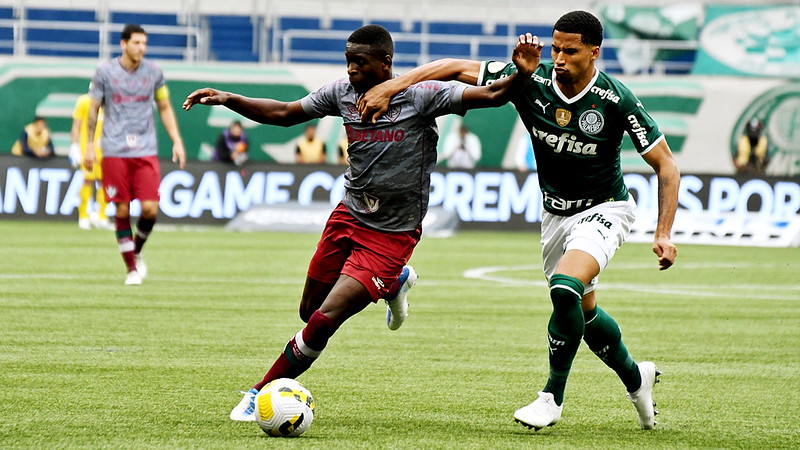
[{"x": 591, "y": 122}]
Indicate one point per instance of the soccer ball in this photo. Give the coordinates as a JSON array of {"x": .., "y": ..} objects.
[{"x": 284, "y": 408}]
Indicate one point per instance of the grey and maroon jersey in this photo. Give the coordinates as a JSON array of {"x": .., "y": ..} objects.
[
  {"x": 127, "y": 98},
  {"x": 577, "y": 141},
  {"x": 388, "y": 181}
]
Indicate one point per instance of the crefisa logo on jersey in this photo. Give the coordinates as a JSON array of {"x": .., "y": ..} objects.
[{"x": 591, "y": 122}]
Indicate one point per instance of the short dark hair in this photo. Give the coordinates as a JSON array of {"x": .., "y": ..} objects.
[
  {"x": 374, "y": 36},
  {"x": 583, "y": 23},
  {"x": 130, "y": 29}
]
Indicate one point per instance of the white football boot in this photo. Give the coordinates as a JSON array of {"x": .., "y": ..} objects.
[
  {"x": 643, "y": 397},
  {"x": 397, "y": 308},
  {"x": 543, "y": 412},
  {"x": 133, "y": 278},
  {"x": 103, "y": 224},
  {"x": 141, "y": 267},
  {"x": 245, "y": 410}
]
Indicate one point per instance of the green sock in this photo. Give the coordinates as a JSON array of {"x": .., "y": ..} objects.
[
  {"x": 604, "y": 338},
  {"x": 564, "y": 331}
]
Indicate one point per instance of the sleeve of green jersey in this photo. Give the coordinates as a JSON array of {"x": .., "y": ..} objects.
[
  {"x": 494, "y": 70},
  {"x": 639, "y": 125}
]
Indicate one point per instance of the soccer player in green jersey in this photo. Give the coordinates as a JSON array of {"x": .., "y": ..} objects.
[{"x": 576, "y": 116}]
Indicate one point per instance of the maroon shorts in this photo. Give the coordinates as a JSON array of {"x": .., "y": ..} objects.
[
  {"x": 125, "y": 179},
  {"x": 348, "y": 247}
]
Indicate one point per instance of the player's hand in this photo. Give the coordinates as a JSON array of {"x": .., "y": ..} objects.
[
  {"x": 89, "y": 157},
  {"x": 179, "y": 154},
  {"x": 527, "y": 53},
  {"x": 666, "y": 252},
  {"x": 375, "y": 102},
  {"x": 205, "y": 96}
]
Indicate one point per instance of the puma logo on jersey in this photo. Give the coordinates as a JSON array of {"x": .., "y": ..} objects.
[{"x": 544, "y": 110}]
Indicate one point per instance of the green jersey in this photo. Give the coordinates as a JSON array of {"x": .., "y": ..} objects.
[{"x": 577, "y": 141}]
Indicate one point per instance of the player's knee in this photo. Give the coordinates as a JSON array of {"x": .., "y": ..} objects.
[
  {"x": 305, "y": 312},
  {"x": 565, "y": 291},
  {"x": 150, "y": 212}
]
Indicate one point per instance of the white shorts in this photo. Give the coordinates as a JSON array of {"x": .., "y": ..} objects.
[{"x": 598, "y": 231}]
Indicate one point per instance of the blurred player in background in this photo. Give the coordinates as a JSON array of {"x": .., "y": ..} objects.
[
  {"x": 310, "y": 149},
  {"x": 232, "y": 144},
  {"x": 370, "y": 236},
  {"x": 462, "y": 149},
  {"x": 577, "y": 116},
  {"x": 35, "y": 140},
  {"x": 92, "y": 179},
  {"x": 126, "y": 88},
  {"x": 751, "y": 149}
]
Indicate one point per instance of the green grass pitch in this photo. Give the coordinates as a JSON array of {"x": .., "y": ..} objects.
[{"x": 86, "y": 362}]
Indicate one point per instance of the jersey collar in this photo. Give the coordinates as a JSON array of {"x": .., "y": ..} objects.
[{"x": 580, "y": 94}]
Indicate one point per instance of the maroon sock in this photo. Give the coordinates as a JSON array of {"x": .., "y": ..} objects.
[
  {"x": 302, "y": 350},
  {"x": 393, "y": 289},
  {"x": 125, "y": 241}
]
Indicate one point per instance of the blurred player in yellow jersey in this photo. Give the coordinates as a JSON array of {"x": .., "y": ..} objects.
[{"x": 92, "y": 179}]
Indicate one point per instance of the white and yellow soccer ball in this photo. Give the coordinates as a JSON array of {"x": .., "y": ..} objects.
[{"x": 284, "y": 408}]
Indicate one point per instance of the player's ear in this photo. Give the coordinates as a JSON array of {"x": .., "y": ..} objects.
[{"x": 595, "y": 52}]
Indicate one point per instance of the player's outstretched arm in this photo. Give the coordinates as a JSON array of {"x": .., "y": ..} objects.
[
  {"x": 375, "y": 102},
  {"x": 262, "y": 110},
  {"x": 661, "y": 160},
  {"x": 527, "y": 54}
]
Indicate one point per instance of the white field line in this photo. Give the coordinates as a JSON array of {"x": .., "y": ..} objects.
[
  {"x": 121, "y": 277},
  {"x": 755, "y": 291},
  {"x": 496, "y": 274}
]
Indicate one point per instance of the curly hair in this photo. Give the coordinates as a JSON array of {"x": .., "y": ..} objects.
[
  {"x": 583, "y": 23},
  {"x": 376, "y": 37}
]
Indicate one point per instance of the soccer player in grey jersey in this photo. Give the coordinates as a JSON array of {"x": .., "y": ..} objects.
[
  {"x": 126, "y": 87},
  {"x": 370, "y": 236},
  {"x": 576, "y": 116}
]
